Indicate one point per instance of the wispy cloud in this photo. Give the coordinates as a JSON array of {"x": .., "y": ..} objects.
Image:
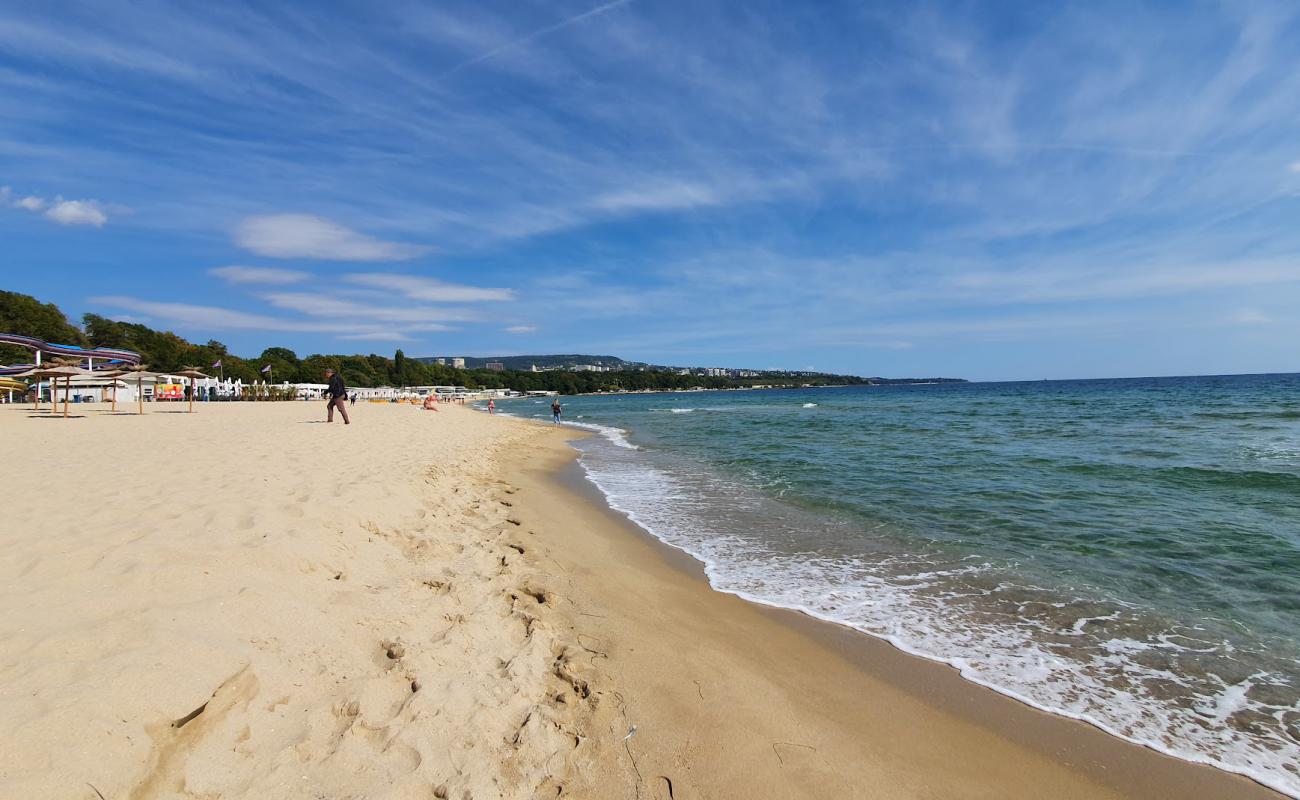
[
  {"x": 1250, "y": 316},
  {"x": 312, "y": 237},
  {"x": 430, "y": 289},
  {"x": 263, "y": 275},
  {"x": 659, "y": 197},
  {"x": 203, "y": 317},
  {"x": 378, "y": 336},
  {"x": 521, "y": 329},
  {"x": 522, "y": 41},
  {"x": 321, "y": 304}
]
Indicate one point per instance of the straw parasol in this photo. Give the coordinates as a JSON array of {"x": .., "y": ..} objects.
[
  {"x": 139, "y": 372},
  {"x": 191, "y": 373},
  {"x": 112, "y": 375},
  {"x": 65, "y": 370}
]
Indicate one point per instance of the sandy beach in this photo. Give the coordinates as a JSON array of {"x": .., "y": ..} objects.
[{"x": 245, "y": 602}]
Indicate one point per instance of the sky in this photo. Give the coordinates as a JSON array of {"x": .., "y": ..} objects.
[{"x": 1007, "y": 190}]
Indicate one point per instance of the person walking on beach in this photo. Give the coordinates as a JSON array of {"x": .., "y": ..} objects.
[
  {"x": 336, "y": 395},
  {"x": 556, "y": 410},
  {"x": 492, "y": 407},
  {"x": 352, "y": 398}
]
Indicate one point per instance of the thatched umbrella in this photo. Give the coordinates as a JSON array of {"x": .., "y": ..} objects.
[
  {"x": 55, "y": 371},
  {"x": 139, "y": 372},
  {"x": 112, "y": 375},
  {"x": 192, "y": 373},
  {"x": 36, "y": 395}
]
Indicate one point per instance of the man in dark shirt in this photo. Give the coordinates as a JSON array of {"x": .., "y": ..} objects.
[{"x": 336, "y": 396}]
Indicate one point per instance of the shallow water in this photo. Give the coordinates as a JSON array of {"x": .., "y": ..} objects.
[{"x": 1125, "y": 552}]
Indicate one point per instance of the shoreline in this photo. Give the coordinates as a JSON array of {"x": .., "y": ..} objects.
[
  {"x": 1094, "y": 761},
  {"x": 245, "y": 603}
]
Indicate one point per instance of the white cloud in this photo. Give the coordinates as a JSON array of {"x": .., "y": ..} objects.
[
  {"x": 213, "y": 318},
  {"x": 1250, "y": 316},
  {"x": 318, "y": 304},
  {"x": 378, "y": 336},
  {"x": 64, "y": 212},
  {"x": 660, "y": 197},
  {"x": 1294, "y": 166},
  {"x": 272, "y": 275},
  {"x": 73, "y": 212},
  {"x": 209, "y": 317},
  {"x": 429, "y": 289},
  {"x": 521, "y": 329},
  {"x": 307, "y": 236}
]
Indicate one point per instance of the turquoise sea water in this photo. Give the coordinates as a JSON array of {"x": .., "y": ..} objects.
[{"x": 1125, "y": 552}]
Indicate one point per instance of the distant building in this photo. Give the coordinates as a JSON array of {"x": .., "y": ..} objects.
[
  {"x": 442, "y": 362},
  {"x": 534, "y": 368},
  {"x": 495, "y": 366},
  {"x": 458, "y": 363}
]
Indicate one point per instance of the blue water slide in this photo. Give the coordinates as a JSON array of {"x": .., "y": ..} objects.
[{"x": 104, "y": 357}]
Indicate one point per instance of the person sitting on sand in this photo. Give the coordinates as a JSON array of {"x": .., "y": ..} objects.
[
  {"x": 335, "y": 395},
  {"x": 556, "y": 410},
  {"x": 431, "y": 403}
]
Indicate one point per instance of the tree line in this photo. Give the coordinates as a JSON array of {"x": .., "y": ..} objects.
[{"x": 164, "y": 351}]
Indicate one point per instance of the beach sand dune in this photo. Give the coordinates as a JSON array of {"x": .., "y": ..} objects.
[{"x": 241, "y": 603}]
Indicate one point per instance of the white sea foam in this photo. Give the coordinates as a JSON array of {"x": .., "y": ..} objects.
[
  {"x": 809, "y": 405},
  {"x": 616, "y": 436},
  {"x": 1032, "y": 656}
]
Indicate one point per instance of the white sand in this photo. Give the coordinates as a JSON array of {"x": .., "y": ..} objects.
[{"x": 298, "y": 583}]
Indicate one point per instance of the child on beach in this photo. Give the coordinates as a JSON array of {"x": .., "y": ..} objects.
[{"x": 556, "y": 410}]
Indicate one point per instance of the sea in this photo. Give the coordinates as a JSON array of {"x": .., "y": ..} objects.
[{"x": 1123, "y": 552}]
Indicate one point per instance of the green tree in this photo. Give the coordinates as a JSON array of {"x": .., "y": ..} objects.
[{"x": 399, "y": 368}]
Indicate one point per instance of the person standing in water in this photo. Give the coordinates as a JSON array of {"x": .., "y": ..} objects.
[
  {"x": 336, "y": 396},
  {"x": 556, "y": 410}
]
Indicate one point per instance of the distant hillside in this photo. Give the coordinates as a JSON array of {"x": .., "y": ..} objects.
[{"x": 524, "y": 363}]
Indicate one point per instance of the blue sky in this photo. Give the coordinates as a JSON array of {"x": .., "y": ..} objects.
[{"x": 986, "y": 190}]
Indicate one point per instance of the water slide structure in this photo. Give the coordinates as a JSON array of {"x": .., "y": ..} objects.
[{"x": 95, "y": 357}]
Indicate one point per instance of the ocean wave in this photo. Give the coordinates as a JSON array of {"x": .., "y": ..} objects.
[
  {"x": 616, "y": 436},
  {"x": 1099, "y": 661}
]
